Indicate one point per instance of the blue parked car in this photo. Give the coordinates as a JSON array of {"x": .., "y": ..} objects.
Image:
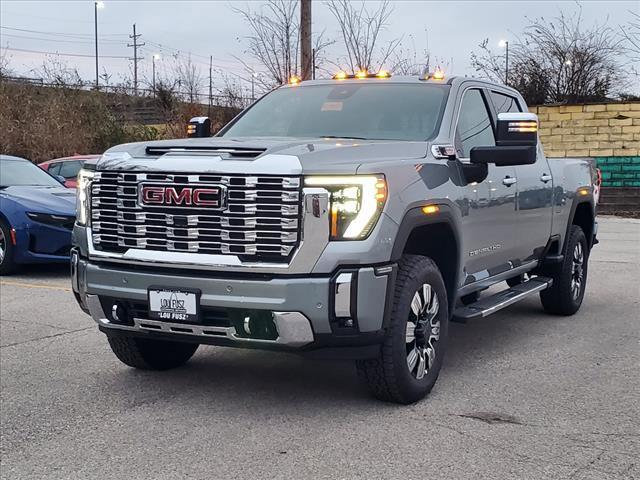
[{"x": 36, "y": 215}]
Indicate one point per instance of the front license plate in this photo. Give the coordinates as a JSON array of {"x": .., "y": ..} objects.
[{"x": 171, "y": 304}]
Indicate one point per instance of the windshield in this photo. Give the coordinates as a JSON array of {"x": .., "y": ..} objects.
[
  {"x": 19, "y": 173},
  {"x": 370, "y": 111}
]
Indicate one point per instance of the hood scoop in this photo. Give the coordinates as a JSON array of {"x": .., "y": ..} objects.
[{"x": 157, "y": 151}]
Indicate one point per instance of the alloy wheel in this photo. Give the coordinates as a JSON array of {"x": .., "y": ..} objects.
[
  {"x": 422, "y": 331},
  {"x": 577, "y": 271},
  {"x": 3, "y": 246}
]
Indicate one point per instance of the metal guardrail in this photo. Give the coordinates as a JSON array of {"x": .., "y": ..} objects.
[{"x": 215, "y": 100}]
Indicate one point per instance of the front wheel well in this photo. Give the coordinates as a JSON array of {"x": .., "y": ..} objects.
[{"x": 438, "y": 242}]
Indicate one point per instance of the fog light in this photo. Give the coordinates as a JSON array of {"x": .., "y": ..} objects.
[{"x": 118, "y": 312}]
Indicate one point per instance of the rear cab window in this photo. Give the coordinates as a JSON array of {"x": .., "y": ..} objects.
[{"x": 505, "y": 103}]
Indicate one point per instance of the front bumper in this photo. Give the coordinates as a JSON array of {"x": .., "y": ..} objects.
[
  {"x": 345, "y": 309},
  {"x": 39, "y": 243}
]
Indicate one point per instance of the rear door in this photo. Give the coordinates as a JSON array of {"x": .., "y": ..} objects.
[
  {"x": 534, "y": 193},
  {"x": 488, "y": 241}
]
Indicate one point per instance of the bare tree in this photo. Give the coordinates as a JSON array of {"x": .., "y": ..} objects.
[
  {"x": 56, "y": 72},
  {"x": 189, "y": 78},
  {"x": 274, "y": 38},
  {"x": 558, "y": 60},
  {"x": 407, "y": 61},
  {"x": 361, "y": 30},
  {"x": 232, "y": 93},
  {"x": 5, "y": 69},
  {"x": 631, "y": 35}
]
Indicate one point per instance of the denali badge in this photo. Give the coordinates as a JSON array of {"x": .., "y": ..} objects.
[{"x": 182, "y": 196}]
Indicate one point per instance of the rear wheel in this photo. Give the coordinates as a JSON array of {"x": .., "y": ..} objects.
[
  {"x": 7, "y": 265},
  {"x": 411, "y": 355},
  {"x": 150, "y": 354},
  {"x": 569, "y": 283}
]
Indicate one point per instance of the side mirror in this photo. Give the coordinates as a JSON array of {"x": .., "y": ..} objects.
[
  {"x": 199, "y": 127},
  {"x": 516, "y": 141},
  {"x": 504, "y": 156},
  {"x": 517, "y": 128},
  {"x": 61, "y": 179}
]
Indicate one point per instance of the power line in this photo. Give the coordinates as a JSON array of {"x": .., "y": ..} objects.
[
  {"x": 63, "y": 54},
  {"x": 55, "y": 40},
  {"x": 62, "y": 34},
  {"x": 65, "y": 19}
]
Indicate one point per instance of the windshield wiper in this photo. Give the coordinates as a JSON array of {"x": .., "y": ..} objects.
[{"x": 346, "y": 138}]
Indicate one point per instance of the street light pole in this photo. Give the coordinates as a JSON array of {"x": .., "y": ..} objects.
[
  {"x": 153, "y": 63},
  {"x": 506, "y": 64},
  {"x": 253, "y": 86},
  {"x": 505, "y": 45}
]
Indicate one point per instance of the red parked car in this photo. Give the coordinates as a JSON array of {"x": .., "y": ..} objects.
[{"x": 67, "y": 167}]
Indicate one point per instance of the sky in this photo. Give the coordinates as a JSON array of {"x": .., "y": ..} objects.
[{"x": 449, "y": 30}]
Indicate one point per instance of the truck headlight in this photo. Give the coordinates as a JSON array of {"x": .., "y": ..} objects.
[
  {"x": 355, "y": 203},
  {"x": 83, "y": 196}
]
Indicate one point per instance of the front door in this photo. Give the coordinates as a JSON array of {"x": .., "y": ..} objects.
[
  {"x": 534, "y": 193},
  {"x": 488, "y": 242}
]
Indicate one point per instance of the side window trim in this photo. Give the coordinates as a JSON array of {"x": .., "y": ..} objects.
[{"x": 490, "y": 112}]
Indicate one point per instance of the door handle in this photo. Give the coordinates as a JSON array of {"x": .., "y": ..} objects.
[
  {"x": 508, "y": 181},
  {"x": 545, "y": 177}
]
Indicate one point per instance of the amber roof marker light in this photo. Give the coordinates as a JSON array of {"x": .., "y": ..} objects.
[
  {"x": 361, "y": 74},
  {"x": 437, "y": 74}
]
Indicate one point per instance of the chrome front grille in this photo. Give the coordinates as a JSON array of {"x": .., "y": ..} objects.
[{"x": 260, "y": 220}]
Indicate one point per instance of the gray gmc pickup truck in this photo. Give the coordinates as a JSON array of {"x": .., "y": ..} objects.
[{"x": 347, "y": 218}]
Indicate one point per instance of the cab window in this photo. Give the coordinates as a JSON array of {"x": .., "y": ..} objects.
[
  {"x": 504, "y": 103},
  {"x": 54, "y": 169},
  {"x": 474, "y": 127},
  {"x": 70, "y": 169}
]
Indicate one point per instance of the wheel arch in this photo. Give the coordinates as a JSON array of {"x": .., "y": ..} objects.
[
  {"x": 435, "y": 236},
  {"x": 582, "y": 215}
]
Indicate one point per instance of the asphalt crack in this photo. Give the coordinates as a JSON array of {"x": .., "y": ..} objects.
[
  {"x": 46, "y": 337},
  {"x": 492, "y": 418}
]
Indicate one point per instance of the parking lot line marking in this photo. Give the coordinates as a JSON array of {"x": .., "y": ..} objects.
[{"x": 35, "y": 285}]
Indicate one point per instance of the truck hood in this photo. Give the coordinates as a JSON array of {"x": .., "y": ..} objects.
[{"x": 257, "y": 155}]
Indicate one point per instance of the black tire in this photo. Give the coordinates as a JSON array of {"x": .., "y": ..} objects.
[
  {"x": 389, "y": 377},
  {"x": 149, "y": 354},
  {"x": 7, "y": 264},
  {"x": 563, "y": 298}
]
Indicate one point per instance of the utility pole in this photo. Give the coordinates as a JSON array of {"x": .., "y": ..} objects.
[
  {"x": 210, "y": 85},
  {"x": 135, "y": 46},
  {"x": 97, "y": 5},
  {"x": 313, "y": 72},
  {"x": 306, "y": 54}
]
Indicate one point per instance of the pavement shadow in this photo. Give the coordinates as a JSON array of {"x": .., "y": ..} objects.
[
  {"x": 42, "y": 271},
  {"x": 224, "y": 375}
]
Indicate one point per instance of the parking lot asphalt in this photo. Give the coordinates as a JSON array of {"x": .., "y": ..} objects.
[{"x": 522, "y": 395}]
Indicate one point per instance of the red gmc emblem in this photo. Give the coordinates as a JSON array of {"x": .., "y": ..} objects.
[{"x": 157, "y": 195}]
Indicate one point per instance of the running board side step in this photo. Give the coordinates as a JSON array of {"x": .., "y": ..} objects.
[{"x": 487, "y": 306}]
